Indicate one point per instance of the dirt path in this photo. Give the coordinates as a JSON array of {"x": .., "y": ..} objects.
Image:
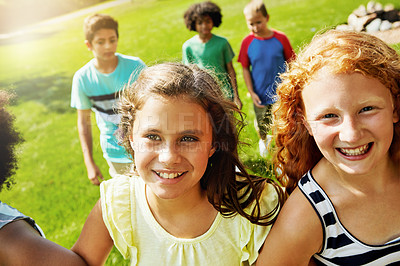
[{"x": 63, "y": 18}]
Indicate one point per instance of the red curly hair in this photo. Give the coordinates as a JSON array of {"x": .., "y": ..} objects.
[{"x": 342, "y": 52}]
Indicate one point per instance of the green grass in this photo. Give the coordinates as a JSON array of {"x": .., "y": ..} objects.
[{"x": 51, "y": 183}]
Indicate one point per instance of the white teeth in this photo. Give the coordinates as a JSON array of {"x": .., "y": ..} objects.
[
  {"x": 357, "y": 151},
  {"x": 168, "y": 176}
]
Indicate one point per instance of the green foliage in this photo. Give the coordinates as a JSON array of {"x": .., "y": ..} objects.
[{"x": 51, "y": 182}]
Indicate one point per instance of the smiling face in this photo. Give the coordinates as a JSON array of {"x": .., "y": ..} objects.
[
  {"x": 204, "y": 27},
  {"x": 172, "y": 142},
  {"x": 104, "y": 44},
  {"x": 351, "y": 119}
]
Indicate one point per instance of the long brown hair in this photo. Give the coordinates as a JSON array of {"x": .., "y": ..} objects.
[
  {"x": 228, "y": 191},
  {"x": 340, "y": 52}
]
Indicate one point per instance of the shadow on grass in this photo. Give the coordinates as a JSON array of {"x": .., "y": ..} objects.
[{"x": 54, "y": 92}]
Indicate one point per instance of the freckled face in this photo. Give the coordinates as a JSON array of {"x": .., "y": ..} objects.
[
  {"x": 351, "y": 118},
  {"x": 172, "y": 142}
]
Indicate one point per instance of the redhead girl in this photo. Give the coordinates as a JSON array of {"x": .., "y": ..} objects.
[{"x": 337, "y": 136}]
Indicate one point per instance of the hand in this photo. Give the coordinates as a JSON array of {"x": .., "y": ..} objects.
[
  {"x": 256, "y": 100},
  {"x": 238, "y": 102},
  {"x": 94, "y": 174}
]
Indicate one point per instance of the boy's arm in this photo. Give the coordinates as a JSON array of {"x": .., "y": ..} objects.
[
  {"x": 85, "y": 137},
  {"x": 249, "y": 85},
  {"x": 295, "y": 236},
  {"x": 287, "y": 47},
  {"x": 232, "y": 78},
  {"x": 94, "y": 243}
]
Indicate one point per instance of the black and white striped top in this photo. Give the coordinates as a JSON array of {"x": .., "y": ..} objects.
[{"x": 340, "y": 247}]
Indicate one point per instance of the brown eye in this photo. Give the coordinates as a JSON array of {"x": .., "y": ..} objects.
[
  {"x": 188, "y": 139},
  {"x": 153, "y": 137}
]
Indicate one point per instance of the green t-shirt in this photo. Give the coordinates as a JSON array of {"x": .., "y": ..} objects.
[{"x": 214, "y": 55}]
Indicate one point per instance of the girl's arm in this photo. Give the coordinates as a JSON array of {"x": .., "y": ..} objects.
[
  {"x": 20, "y": 244},
  {"x": 94, "y": 244},
  {"x": 232, "y": 77},
  {"x": 296, "y": 235}
]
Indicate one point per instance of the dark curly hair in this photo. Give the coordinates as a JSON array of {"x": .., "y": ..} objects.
[
  {"x": 199, "y": 10},
  {"x": 230, "y": 191},
  {"x": 9, "y": 137}
]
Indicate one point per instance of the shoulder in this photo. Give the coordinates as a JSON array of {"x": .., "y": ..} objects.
[
  {"x": 20, "y": 243},
  {"x": 128, "y": 59},
  {"x": 297, "y": 231},
  {"x": 119, "y": 202},
  {"x": 120, "y": 183},
  {"x": 280, "y": 35},
  {"x": 298, "y": 208},
  {"x": 85, "y": 75},
  {"x": 252, "y": 235},
  {"x": 118, "y": 194},
  {"x": 248, "y": 39},
  {"x": 220, "y": 38},
  {"x": 191, "y": 41},
  {"x": 83, "y": 71},
  {"x": 12, "y": 238},
  {"x": 269, "y": 199}
]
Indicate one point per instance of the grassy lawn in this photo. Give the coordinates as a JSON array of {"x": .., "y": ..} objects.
[{"x": 51, "y": 182}]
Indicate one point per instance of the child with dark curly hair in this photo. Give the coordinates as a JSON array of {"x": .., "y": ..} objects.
[
  {"x": 210, "y": 51},
  {"x": 22, "y": 241}
]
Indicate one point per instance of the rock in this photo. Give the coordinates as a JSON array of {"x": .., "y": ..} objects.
[
  {"x": 352, "y": 20},
  {"x": 392, "y": 15},
  {"x": 357, "y": 23},
  {"x": 374, "y": 25},
  {"x": 388, "y": 7},
  {"x": 371, "y": 7},
  {"x": 360, "y": 11},
  {"x": 385, "y": 25},
  {"x": 372, "y": 17},
  {"x": 396, "y": 24},
  {"x": 366, "y": 20},
  {"x": 378, "y": 8}
]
